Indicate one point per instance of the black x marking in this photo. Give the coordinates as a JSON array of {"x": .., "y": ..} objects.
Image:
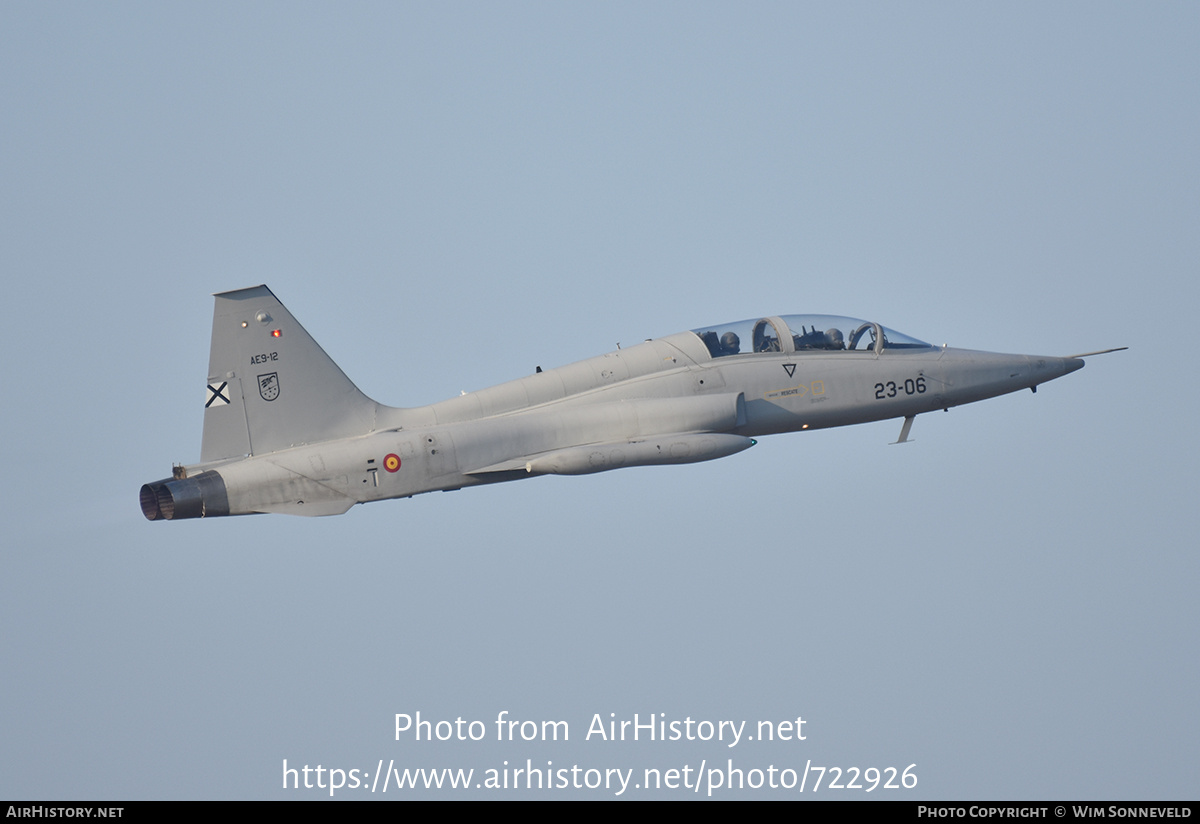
[{"x": 217, "y": 392}]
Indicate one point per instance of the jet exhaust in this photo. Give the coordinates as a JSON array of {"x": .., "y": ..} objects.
[{"x": 171, "y": 499}]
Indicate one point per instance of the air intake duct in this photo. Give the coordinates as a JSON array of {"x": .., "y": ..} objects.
[{"x": 173, "y": 499}]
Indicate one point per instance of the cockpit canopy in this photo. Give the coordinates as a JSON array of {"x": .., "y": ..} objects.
[{"x": 803, "y": 333}]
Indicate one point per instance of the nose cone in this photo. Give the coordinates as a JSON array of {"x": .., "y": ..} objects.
[
  {"x": 1047, "y": 369},
  {"x": 973, "y": 376}
]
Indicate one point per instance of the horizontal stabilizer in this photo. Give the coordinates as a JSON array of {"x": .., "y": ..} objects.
[
  {"x": 515, "y": 465},
  {"x": 316, "y": 508}
]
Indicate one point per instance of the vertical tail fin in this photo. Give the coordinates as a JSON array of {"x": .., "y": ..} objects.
[{"x": 270, "y": 385}]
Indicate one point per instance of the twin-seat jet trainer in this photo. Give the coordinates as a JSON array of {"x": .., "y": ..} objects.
[{"x": 286, "y": 431}]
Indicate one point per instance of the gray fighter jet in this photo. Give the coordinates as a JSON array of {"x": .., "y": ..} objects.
[{"x": 286, "y": 431}]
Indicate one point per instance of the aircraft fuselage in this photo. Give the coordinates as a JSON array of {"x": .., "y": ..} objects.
[{"x": 684, "y": 398}]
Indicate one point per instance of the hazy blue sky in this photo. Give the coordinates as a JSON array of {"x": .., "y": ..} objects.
[{"x": 447, "y": 195}]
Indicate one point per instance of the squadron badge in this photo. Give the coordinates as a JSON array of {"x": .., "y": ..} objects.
[{"x": 268, "y": 386}]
